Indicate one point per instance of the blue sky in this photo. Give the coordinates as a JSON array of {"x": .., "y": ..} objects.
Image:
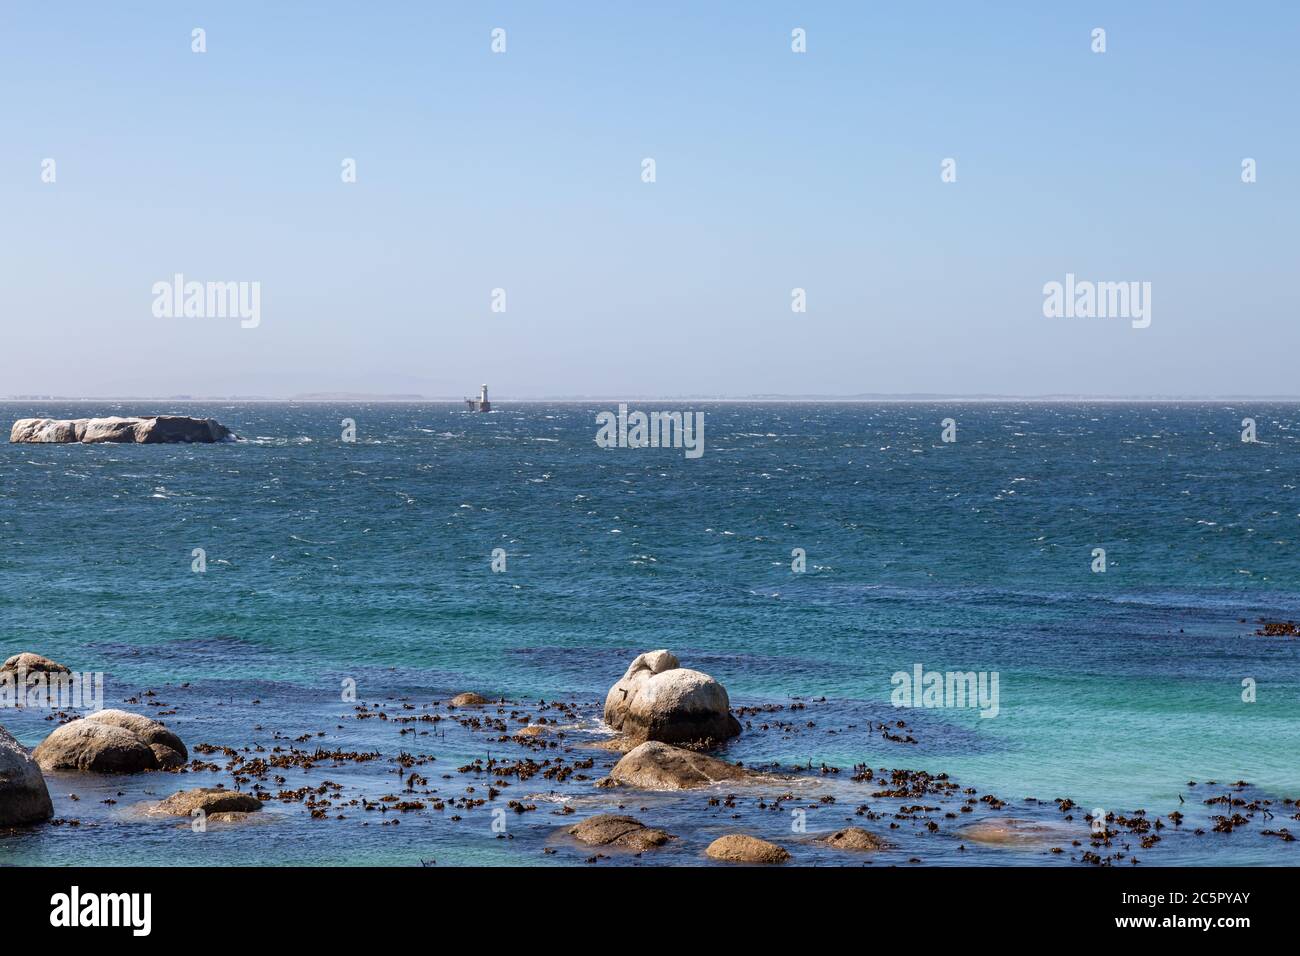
[{"x": 774, "y": 171}]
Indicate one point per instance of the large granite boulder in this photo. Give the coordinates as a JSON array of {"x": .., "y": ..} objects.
[
  {"x": 621, "y": 695},
  {"x": 33, "y": 664},
  {"x": 111, "y": 741},
  {"x": 658, "y": 699},
  {"x": 165, "y": 744},
  {"x": 151, "y": 430},
  {"x": 24, "y": 797},
  {"x": 659, "y": 766},
  {"x": 739, "y": 848}
]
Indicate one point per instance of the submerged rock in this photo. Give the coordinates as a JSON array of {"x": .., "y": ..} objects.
[
  {"x": 211, "y": 800},
  {"x": 24, "y": 798},
  {"x": 33, "y": 663},
  {"x": 111, "y": 741},
  {"x": 658, "y": 699},
  {"x": 157, "y": 429},
  {"x": 607, "y": 829},
  {"x": 854, "y": 838},
  {"x": 468, "y": 699},
  {"x": 739, "y": 848},
  {"x": 236, "y": 817},
  {"x": 1008, "y": 831},
  {"x": 659, "y": 766}
]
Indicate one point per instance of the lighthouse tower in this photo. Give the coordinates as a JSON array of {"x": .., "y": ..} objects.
[{"x": 480, "y": 404}]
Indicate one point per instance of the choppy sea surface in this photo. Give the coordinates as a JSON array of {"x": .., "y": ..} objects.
[{"x": 370, "y": 561}]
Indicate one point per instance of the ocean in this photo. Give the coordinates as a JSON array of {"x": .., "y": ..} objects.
[{"x": 1140, "y": 687}]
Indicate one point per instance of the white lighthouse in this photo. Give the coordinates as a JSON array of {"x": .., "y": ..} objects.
[{"x": 480, "y": 404}]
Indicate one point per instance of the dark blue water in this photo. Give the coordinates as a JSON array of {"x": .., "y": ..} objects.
[{"x": 329, "y": 560}]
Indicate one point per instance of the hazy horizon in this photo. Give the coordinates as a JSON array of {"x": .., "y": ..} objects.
[
  {"x": 759, "y": 398},
  {"x": 775, "y": 170}
]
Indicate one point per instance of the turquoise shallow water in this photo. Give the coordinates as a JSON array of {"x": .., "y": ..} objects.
[{"x": 328, "y": 560}]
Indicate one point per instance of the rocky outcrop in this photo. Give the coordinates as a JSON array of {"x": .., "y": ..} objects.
[
  {"x": 739, "y": 848},
  {"x": 658, "y": 699},
  {"x": 44, "y": 430},
  {"x": 468, "y": 699},
  {"x": 24, "y": 798},
  {"x": 854, "y": 838},
  {"x": 211, "y": 800},
  {"x": 167, "y": 429},
  {"x": 153, "y": 430},
  {"x": 33, "y": 664},
  {"x": 111, "y": 741},
  {"x": 659, "y": 766},
  {"x": 607, "y": 829}
]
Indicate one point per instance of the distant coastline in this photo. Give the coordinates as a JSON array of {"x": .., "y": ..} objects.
[{"x": 329, "y": 398}]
